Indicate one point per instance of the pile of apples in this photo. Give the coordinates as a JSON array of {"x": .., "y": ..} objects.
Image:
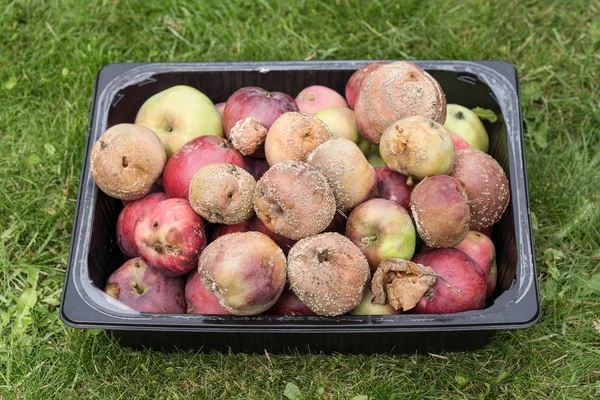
[{"x": 377, "y": 203}]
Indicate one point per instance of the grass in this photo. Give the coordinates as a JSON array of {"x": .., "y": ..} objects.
[{"x": 51, "y": 51}]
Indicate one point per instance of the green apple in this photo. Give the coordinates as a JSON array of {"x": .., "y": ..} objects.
[
  {"x": 381, "y": 229},
  {"x": 466, "y": 124},
  {"x": 178, "y": 115},
  {"x": 342, "y": 124},
  {"x": 366, "y": 307}
]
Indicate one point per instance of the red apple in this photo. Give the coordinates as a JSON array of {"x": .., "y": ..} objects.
[
  {"x": 356, "y": 81},
  {"x": 170, "y": 237},
  {"x": 129, "y": 216},
  {"x": 481, "y": 249},
  {"x": 258, "y": 226},
  {"x": 460, "y": 283},
  {"x": 195, "y": 154},
  {"x": 289, "y": 304},
  {"x": 145, "y": 289},
  {"x": 393, "y": 186},
  {"x": 199, "y": 299},
  {"x": 256, "y": 166},
  {"x": 316, "y": 98},
  {"x": 222, "y": 229},
  {"x": 381, "y": 229},
  {"x": 257, "y": 103}
]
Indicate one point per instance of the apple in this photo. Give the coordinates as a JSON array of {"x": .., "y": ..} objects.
[
  {"x": 366, "y": 307},
  {"x": 393, "y": 186},
  {"x": 317, "y": 97},
  {"x": 199, "y": 299},
  {"x": 466, "y": 124},
  {"x": 183, "y": 165},
  {"x": 460, "y": 283},
  {"x": 356, "y": 81},
  {"x": 459, "y": 142},
  {"x": 128, "y": 218},
  {"x": 382, "y": 229},
  {"x": 178, "y": 115},
  {"x": 342, "y": 124},
  {"x": 289, "y": 304},
  {"x": 145, "y": 289},
  {"x": 170, "y": 237},
  {"x": 481, "y": 249}
]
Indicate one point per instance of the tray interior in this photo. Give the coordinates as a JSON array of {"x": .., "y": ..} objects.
[{"x": 104, "y": 255}]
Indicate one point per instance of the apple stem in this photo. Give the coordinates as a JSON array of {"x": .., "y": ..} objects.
[
  {"x": 473, "y": 202},
  {"x": 368, "y": 239},
  {"x": 410, "y": 181}
]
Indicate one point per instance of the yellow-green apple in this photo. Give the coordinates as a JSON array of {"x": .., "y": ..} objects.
[
  {"x": 381, "y": 229},
  {"x": 145, "y": 289},
  {"x": 178, "y": 115},
  {"x": 366, "y": 307},
  {"x": 342, "y": 124},
  {"x": 467, "y": 125}
]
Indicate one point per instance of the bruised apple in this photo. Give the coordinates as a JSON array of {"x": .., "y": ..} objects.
[
  {"x": 356, "y": 81},
  {"x": 246, "y": 271},
  {"x": 199, "y": 299},
  {"x": 145, "y": 289},
  {"x": 126, "y": 161},
  {"x": 170, "y": 237}
]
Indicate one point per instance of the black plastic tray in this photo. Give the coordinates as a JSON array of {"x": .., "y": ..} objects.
[{"x": 120, "y": 91}]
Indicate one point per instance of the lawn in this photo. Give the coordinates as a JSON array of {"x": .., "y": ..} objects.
[{"x": 50, "y": 53}]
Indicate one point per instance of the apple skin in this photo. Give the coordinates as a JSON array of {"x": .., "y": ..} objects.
[
  {"x": 220, "y": 108},
  {"x": 258, "y": 103},
  {"x": 222, "y": 229},
  {"x": 256, "y": 166},
  {"x": 466, "y": 124},
  {"x": 170, "y": 237},
  {"x": 481, "y": 249},
  {"x": 366, "y": 307},
  {"x": 183, "y": 165},
  {"x": 145, "y": 289},
  {"x": 246, "y": 271},
  {"x": 129, "y": 216},
  {"x": 199, "y": 299},
  {"x": 460, "y": 272},
  {"x": 289, "y": 305},
  {"x": 381, "y": 229},
  {"x": 459, "y": 142},
  {"x": 342, "y": 124},
  {"x": 317, "y": 97},
  {"x": 393, "y": 186},
  {"x": 178, "y": 115},
  {"x": 356, "y": 81}
]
